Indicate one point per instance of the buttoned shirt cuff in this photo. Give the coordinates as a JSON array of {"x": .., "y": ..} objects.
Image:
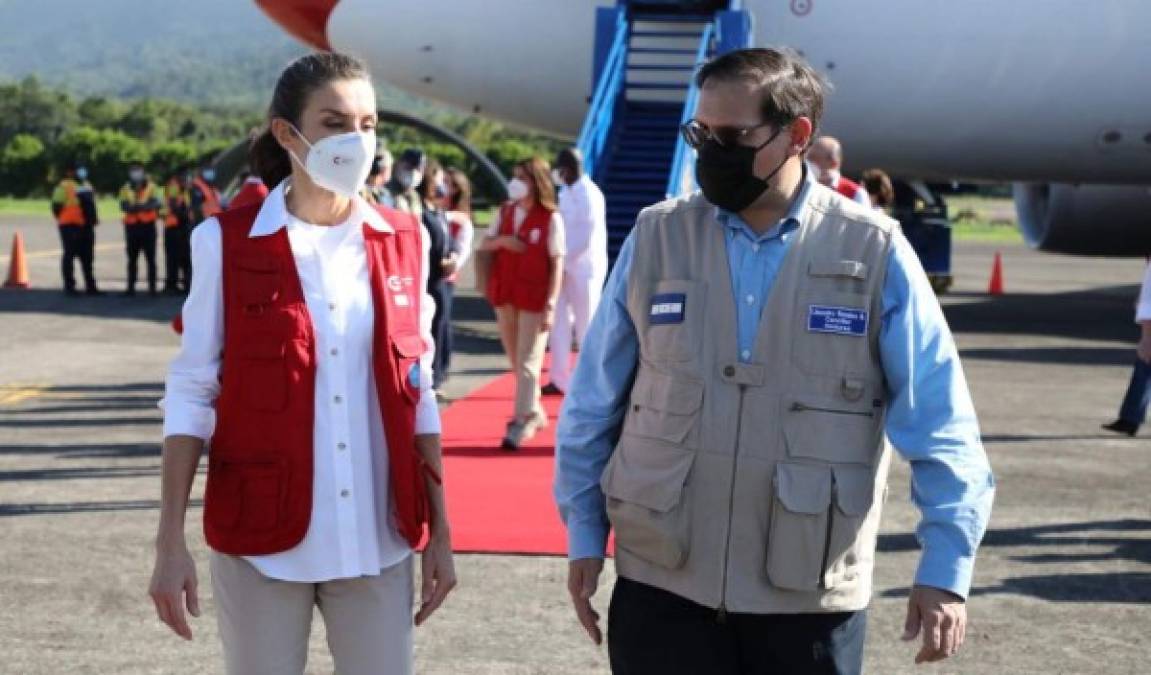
[
  {"x": 944, "y": 569},
  {"x": 587, "y": 540},
  {"x": 188, "y": 420},
  {"x": 427, "y": 414}
]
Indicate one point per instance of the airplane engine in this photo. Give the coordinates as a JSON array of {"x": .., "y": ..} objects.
[{"x": 1108, "y": 220}]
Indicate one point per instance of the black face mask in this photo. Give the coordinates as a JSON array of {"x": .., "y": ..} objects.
[{"x": 727, "y": 174}]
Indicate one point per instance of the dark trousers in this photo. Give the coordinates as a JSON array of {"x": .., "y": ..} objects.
[
  {"x": 177, "y": 259},
  {"x": 141, "y": 239},
  {"x": 653, "y": 632},
  {"x": 442, "y": 293},
  {"x": 79, "y": 243},
  {"x": 1134, "y": 408}
]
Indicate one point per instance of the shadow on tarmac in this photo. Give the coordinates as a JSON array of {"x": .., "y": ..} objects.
[
  {"x": 1103, "y": 314},
  {"x": 112, "y": 305},
  {"x": 1118, "y": 587}
]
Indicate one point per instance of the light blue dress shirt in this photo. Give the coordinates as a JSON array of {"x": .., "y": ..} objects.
[{"x": 930, "y": 421}]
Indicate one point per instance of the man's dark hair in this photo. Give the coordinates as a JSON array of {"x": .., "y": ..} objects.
[
  {"x": 790, "y": 86},
  {"x": 572, "y": 160}
]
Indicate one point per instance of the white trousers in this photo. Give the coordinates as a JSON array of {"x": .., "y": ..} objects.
[
  {"x": 265, "y": 623},
  {"x": 578, "y": 298}
]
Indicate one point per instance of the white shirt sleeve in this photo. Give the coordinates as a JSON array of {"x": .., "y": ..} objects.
[
  {"x": 862, "y": 197},
  {"x": 578, "y": 221},
  {"x": 193, "y": 381},
  {"x": 557, "y": 246},
  {"x": 427, "y": 410},
  {"x": 494, "y": 229},
  {"x": 466, "y": 238},
  {"x": 1143, "y": 310}
]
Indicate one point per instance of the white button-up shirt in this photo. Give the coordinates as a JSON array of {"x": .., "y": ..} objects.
[
  {"x": 1143, "y": 307},
  {"x": 351, "y": 531},
  {"x": 585, "y": 228}
]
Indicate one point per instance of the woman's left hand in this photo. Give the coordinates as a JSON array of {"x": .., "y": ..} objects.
[
  {"x": 549, "y": 318},
  {"x": 438, "y": 571}
]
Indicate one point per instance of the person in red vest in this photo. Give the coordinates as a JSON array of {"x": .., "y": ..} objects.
[
  {"x": 527, "y": 241},
  {"x": 305, "y": 361},
  {"x": 252, "y": 191},
  {"x": 826, "y": 157}
]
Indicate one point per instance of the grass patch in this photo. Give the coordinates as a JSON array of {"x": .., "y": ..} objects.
[
  {"x": 979, "y": 218},
  {"x": 985, "y": 231}
]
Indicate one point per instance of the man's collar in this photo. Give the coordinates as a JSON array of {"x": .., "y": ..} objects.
[{"x": 274, "y": 215}]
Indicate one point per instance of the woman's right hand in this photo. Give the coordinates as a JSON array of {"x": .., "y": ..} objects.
[
  {"x": 513, "y": 244},
  {"x": 174, "y": 586}
]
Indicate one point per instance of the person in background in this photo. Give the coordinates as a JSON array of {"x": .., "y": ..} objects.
[
  {"x": 527, "y": 241},
  {"x": 74, "y": 206},
  {"x": 584, "y": 215},
  {"x": 325, "y": 439},
  {"x": 408, "y": 173},
  {"x": 141, "y": 205},
  {"x": 204, "y": 196},
  {"x": 880, "y": 191},
  {"x": 252, "y": 191},
  {"x": 1133, "y": 412},
  {"x": 177, "y": 228},
  {"x": 431, "y": 191},
  {"x": 461, "y": 232},
  {"x": 375, "y": 190},
  {"x": 826, "y": 157}
]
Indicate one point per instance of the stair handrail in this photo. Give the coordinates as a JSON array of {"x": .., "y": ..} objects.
[
  {"x": 597, "y": 124},
  {"x": 679, "y": 180}
]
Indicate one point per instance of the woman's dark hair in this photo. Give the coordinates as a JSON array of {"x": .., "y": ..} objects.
[
  {"x": 462, "y": 200},
  {"x": 878, "y": 185},
  {"x": 296, "y": 84},
  {"x": 540, "y": 181},
  {"x": 427, "y": 187}
]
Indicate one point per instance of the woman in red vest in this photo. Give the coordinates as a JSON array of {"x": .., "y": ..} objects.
[
  {"x": 527, "y": 241},
  {"x": 305, "y": 362}
]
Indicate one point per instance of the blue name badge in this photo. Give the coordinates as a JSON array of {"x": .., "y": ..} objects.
[
  {"x": 667, "y": 308},
  {"x": 837, "y": 320}
]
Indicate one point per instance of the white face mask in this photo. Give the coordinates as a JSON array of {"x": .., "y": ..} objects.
[
  {"x": 557, "y": 177},
  {"x": 339, "y": 163},
  {"x": 517, "y": 190}
]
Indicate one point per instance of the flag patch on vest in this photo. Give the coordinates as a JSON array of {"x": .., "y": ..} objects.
[
  {"x": 837, "y": 320},
  {"x": 667, "y": 308}
]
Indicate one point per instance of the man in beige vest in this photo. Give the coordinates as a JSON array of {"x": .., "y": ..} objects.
[{"x": 757, "y": 346}]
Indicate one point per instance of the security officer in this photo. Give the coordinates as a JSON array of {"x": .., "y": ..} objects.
[
  {"x": 140, "y": 202},
  {"x": 204, "y": 196},
  {"x": 74, "y": 205},
  {"x": 755, "y": 345},
  {"x": 584, "y": 214},
  {"x": 177, "y": 230}
]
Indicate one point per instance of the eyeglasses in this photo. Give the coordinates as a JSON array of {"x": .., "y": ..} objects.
[{"x": 696, "y": 133}]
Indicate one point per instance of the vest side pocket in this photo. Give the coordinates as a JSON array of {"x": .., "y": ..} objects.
[
  {"x": 847, "y": 550},
  {"x": 244, "y": 495},
  {"x": 675, "y": 320},
  {"x": 798, "y": 533},
  {"x": 831, "y": 429},
  {"x": 664, "y": 408},
  {"x": 646, "y": 500},
  {"x": 408, "y": 349}
]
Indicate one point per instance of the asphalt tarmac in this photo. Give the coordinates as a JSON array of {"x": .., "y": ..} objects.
[{"x": 1063, "y": 582}]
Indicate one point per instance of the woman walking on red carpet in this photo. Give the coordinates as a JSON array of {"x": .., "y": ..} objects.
[
  {"x": 527, "y": 241},
  {"x": 305, "y": 362}
]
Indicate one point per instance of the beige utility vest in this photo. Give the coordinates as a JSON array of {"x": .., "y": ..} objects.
[{"x": 754, "y": 487}]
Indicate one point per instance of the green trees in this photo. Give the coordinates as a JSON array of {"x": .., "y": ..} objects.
[{"x": 23, "y": 163}]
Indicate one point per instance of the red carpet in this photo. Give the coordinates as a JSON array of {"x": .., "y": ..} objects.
[{"x": 500, "y": 502}]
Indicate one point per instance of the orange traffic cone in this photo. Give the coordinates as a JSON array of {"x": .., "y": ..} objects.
[
  {"x": 18, "y": 266},
  {"x": 996, "y": 285}
]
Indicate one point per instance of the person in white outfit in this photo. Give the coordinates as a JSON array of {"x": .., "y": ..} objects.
[{"x": 585, "y": 230}]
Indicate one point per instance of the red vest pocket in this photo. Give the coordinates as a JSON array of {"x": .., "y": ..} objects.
[
  {"x": 263, "y": 376},
  {"x": 244, "y": 495},
  {"x": 408, "y": 348}
]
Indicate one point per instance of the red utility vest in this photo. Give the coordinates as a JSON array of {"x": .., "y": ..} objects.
[
  {"x": 847, "y": 188},
  {"x": 521, "y": 279},
  {"x": 258, "y": 498},
  {"x": 253, "y": 191}
]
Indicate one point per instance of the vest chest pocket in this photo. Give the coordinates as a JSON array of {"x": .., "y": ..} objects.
[
  {"x": 675, "y": 317},
  {"x": 258, "y": 283},
  {"x": 263, "y": 379},
  {"x": 817, "y": 525},
  {"x": 664, "y": 408},
  {"x": 408, "y": 349},
  {"x": 832, "y": 333},
  {"x": 832, "y": 429},
  {"x": 646, "y": 500}
]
